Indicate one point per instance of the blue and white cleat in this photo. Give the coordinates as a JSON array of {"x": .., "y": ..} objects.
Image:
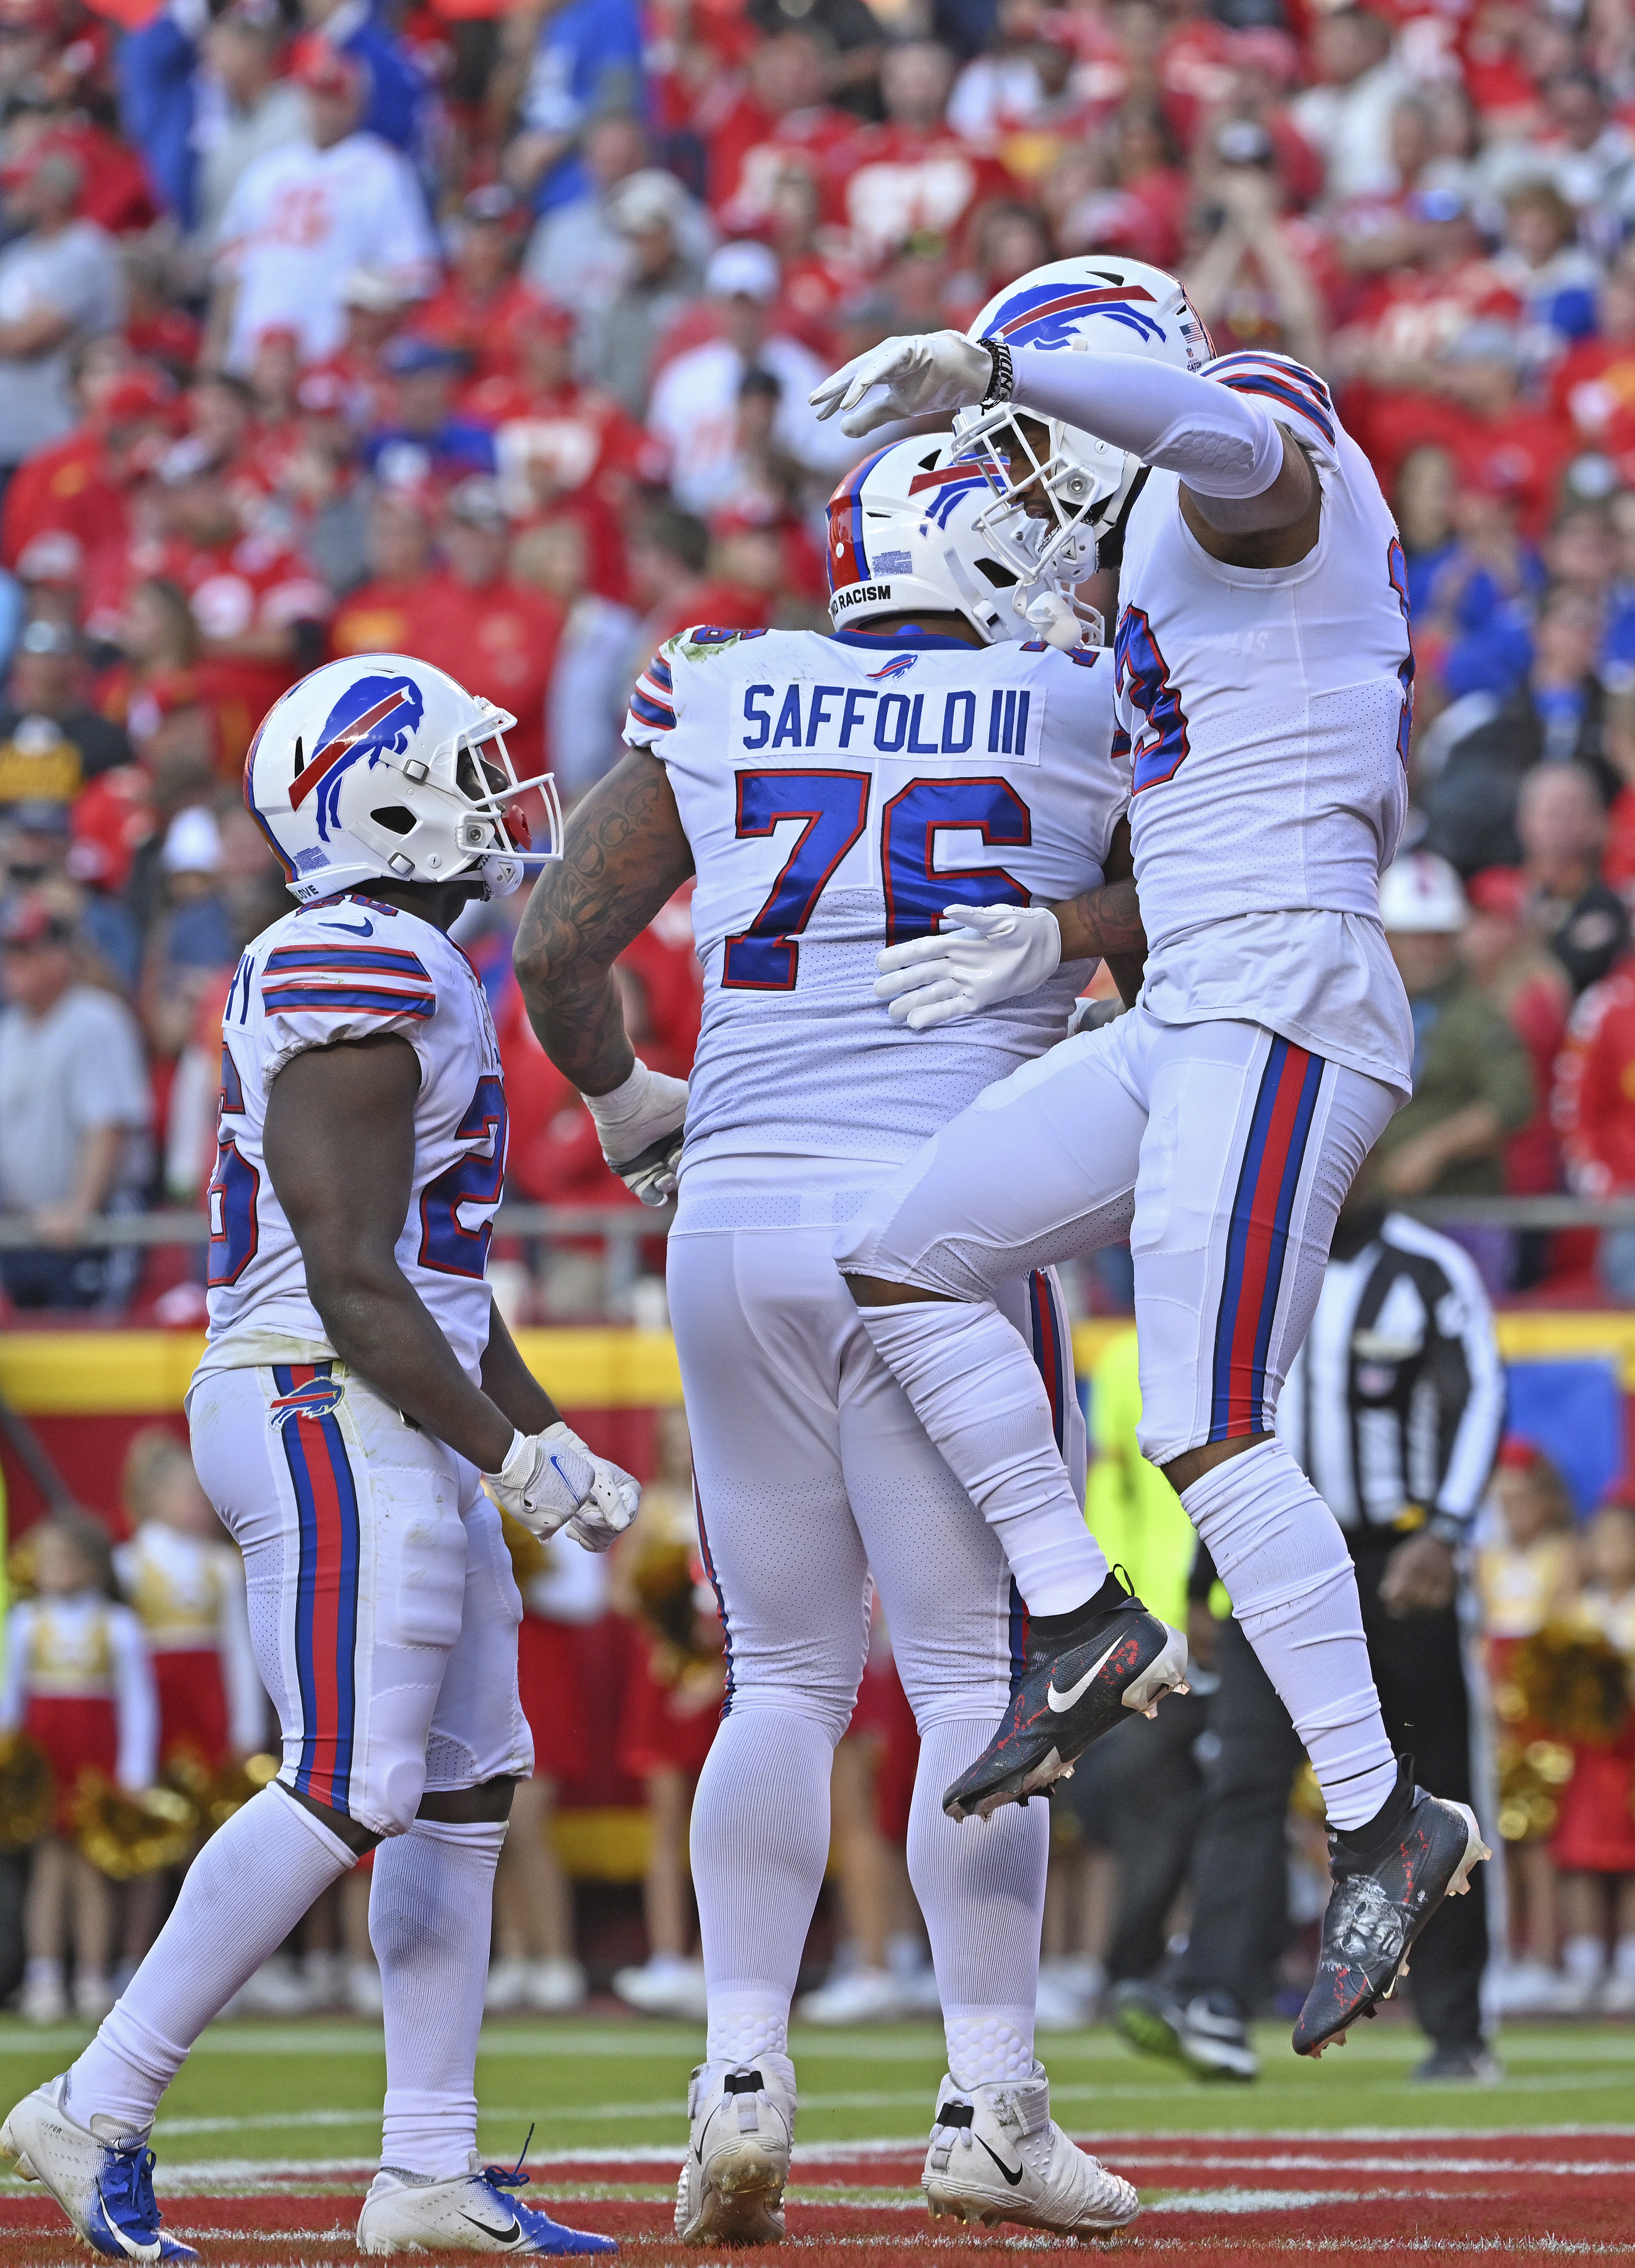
[
  {"x": 102, "y": 2180},
  {"x": 412, "y": 2213}
]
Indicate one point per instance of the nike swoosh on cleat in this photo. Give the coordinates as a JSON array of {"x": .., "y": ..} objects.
[
  {"x": 353, "y": 928},
  {"x": 1011, "y": 2178},
  {"x": 1060, "y": 1701},
  {"x": 511, "y": 2235}
]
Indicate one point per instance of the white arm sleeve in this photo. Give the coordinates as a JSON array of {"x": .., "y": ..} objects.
[
  {"x": 13, "y": 1700},
  {"x": 136, "y": 1701},
  {"x": 247, "y": 1697},
  {"x": 1222, "y": 443}
]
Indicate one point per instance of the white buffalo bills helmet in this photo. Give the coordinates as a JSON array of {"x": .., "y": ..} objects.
[
  {"x": 381, "y": 768},
  {"x": 1076, "y": 485},
  {"x": 906, "y": 535}
]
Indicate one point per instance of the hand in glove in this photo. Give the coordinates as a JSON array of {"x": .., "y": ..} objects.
[
  {"x": 550, "y": 1480},
  {"x": 640, "y": 1124},
  {"x": 905, "y": 378},
  {"x": 984, "y": 953}
]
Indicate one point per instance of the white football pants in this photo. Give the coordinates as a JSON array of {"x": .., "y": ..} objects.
[
  {"x": 811, "y": 1469},
  {"x": 1222, "y": 1151},
  {"x": 383, "y": 1611}
]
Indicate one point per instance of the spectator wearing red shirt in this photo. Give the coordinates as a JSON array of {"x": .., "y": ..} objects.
[
  {"x": 911, "y": 176},
  {"x": 474, "y": 310},
  {"x": 374, "y": 304},
  {"x": 383, "y": 615},
  {"x": 1593, "y": 385},
  {"x": 1593, "y": 1107},
  {"x": 1528, "y": 986},
  {"x": 259, "y": 604},
  {"x": 495, "y": 635},
  {"x": 1499, "y": 435},
  {"x": 780, "y": 119},
  {"x": 561, "y": 447},
  {"x": 77, "y": 492},
  {"x": 1402, "y": 324}
]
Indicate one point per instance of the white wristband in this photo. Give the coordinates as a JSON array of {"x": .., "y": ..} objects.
[{"x": 620, "y": 1106}]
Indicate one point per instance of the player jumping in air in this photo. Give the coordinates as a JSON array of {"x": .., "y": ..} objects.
[
  {"x": 356, "y": 1385},
  {"x": 1265, "y": 686},
  {"x": 830, "y": 795}
]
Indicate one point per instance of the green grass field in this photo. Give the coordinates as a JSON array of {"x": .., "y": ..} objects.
[{"x": 283, "y": 2093}]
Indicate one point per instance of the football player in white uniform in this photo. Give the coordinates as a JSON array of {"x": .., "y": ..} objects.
[
  {"x": 357, "y": 1388},
  {"x": 1264, "y": 678},
  {"x": 829, "y": 793}
]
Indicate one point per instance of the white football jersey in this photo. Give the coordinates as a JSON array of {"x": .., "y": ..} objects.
[
  {"x": 838, "y": 793},
  {"x": 1266, "y": 713},
  {"x": 346, "y": 969}
]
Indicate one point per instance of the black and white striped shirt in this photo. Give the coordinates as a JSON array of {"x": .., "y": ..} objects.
[{"x": 1395, "y": 1403}]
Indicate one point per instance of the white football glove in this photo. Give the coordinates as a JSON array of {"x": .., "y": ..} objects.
[
  {"x": 905, "y": 378},
  {"x": 984, "y": 953},
  {"x": 641, "y": 1127},
  {"x": 550, "y": 1480}
]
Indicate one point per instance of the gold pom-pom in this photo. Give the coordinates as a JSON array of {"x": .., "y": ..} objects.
[
  {"x": 124, "y": 1836},
  {"x": 25, "y": 1791},
  {"x": 1574, "y": 1683}
]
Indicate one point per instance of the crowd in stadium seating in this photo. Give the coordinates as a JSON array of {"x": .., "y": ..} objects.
[{"x": 326, "y": 325}]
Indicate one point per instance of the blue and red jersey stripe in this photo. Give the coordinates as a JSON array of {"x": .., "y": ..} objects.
[
  {"x": 1257, "y": 1238},
  {"x": 326, "y": 1596},
  {"x": 1287, "y": 383}
]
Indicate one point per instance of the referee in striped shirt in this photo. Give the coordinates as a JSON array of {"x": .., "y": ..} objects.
[{"x": 1395, "y": 1408}]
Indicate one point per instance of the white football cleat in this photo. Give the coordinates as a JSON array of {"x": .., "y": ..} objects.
[
  {"x": 103, "y": 2182},
  {"x": 471, "y": 2213},
  {"x": 743, "y": 2121},
  {"x": 997, "y": 2154},
  {"x": 863, "y": 1996},
  {"x": 664, "y": 1985}
]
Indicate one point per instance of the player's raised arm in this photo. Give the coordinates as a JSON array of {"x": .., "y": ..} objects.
[
  {"x": 1241, "y": 473},
  {"x": 340, "y": 1148},
  {"x": 625, "y": 856}
]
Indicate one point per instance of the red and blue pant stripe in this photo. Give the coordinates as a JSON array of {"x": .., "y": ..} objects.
[
  {"x": 326, "y": 1596},
  {"x": 1258, "y": 1238},
  {"x": 708, "y": 1557}
]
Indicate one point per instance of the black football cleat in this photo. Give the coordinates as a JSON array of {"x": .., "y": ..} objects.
[
  {"x": 1390, "y": 1877},
  {"x": 1206, "y": 2032},
  {"x": 1083, "y": 1670}
]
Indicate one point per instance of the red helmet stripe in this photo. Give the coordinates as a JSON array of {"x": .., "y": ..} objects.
[{"x": 307, "y": 778}]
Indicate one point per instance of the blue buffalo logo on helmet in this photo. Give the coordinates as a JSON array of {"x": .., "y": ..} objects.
[
  {"x": 953, "y": 482},
  {"x": 375, "y": 717},
  {"x": 1050, "y": 314}
]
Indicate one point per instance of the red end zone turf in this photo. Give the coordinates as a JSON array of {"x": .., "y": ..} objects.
[{"x": 1207, "y": 2198}]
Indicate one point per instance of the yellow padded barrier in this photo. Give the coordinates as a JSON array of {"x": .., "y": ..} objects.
[{"x": 95, "y": 1374}]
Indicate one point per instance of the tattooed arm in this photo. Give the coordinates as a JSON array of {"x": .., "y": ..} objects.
[
  {"x": 1105, "y": 925},
  {"x": 624, "y": 856}
]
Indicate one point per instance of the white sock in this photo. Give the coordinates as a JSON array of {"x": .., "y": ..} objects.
[
  {"x": 976, "y": 1392},
  {"x": 243, "y": 1895},
  {"x": 982, "y": 1897},
  {"x": 760, "y": 1843},
  {"x": 1278, "y": 1550},
  {"x": 1623, "y": 1959},
  {"x": 431, "y": 1909}
]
